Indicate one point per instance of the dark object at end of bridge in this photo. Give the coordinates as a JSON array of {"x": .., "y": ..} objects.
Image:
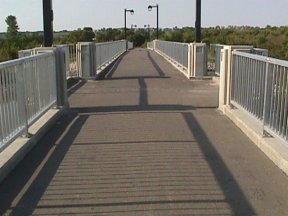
[
  {"x": 198, "y": 22},
  {"x": 48, "y": 23}
]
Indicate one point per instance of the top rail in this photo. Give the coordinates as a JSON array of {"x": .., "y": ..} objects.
[
  {"x": 27, "y": 90},
  {"x": 260, "y": 86}
]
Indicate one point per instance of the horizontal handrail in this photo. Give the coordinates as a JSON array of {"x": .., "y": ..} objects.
[
  {"x": 27, "y": 90},
  {"x": 178, "y": 52},
  {"x": 260, "y": 86}
]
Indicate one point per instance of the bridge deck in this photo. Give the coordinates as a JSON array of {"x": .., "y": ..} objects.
[{"x": 145, "y": 141}]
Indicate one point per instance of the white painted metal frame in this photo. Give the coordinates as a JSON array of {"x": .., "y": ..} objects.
[{"x": 27, "y": 90}]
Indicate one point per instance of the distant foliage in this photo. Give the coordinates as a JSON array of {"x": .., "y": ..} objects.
[
  {"x": 15, "y": 41},
  {"x": 81, "y": 35},
  {"x": 275, "y": 39}
]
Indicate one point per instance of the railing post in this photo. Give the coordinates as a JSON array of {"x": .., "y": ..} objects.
[
  {"x": 88, "y": 63},
  {"x": 60, "y": 67},
  {"x": 22, "y": 92},
  {"x": 224, "y": 64},
  {"x": 267, "y": 94},
  {"x": 229, "y": 75},
  {"x": 189, "y": 72}
]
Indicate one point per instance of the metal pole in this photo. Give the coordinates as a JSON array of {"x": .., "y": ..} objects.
[
  {"x": 125, "y": 33},
  {"x": 157, "y": 21},
  {"x": 48, "y": 23},
  {"x": 198, "y": 21}
]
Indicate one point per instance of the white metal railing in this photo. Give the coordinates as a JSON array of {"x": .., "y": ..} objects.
[
  {"x": 105, "y": 52},
  {"x": 73, "y": 66},
  {"x": 27, "y": 90},
  {"x": 260, "y": 86},
  {"x": 70, "y": 60},
  {"x": 71, "y": 57},
  {"x": 92, "y": 57},
  {"x": 190, "y": 59},
  {"x": 177, "y": 52}
]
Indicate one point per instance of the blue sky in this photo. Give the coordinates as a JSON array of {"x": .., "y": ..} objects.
[{"x": 72, "y": 14}]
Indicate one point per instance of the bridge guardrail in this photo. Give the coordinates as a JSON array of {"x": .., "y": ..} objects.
[
  {"x": 105, "y": 52},
  {"x": 257, "y": 84},
  {"x": 95, "y": 57},
  {"x": 176, "y": 52},
  {"x": 217, "y": 53},
  {"x": 260, "y": 86},
  {"x": 190, "y": 59},
  {"x": 71, "y": 57},
  {"x": 27, "y": 90}
]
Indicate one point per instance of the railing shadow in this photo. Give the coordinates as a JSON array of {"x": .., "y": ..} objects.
[
  {"x": 179, "y": 175},
  {"x": 155, "y": 65},
  {"x": 25, "y": 187},
  {"x": 109, "y": 71},
  {"x": 32, "y": 176},
  {"x": 233, "y": 193}
]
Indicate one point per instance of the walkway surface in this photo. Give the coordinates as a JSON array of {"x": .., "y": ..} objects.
[{"x": 145, "y": 141}]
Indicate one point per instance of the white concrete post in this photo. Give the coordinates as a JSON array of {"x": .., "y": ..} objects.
[
  {"x": 225, "y": 74},
  {"x": 190, "y": 47},
  {"x": 223, "y": 79},
  {"x": 229, "y": 71},
  {"x": 88, "y": 64}
]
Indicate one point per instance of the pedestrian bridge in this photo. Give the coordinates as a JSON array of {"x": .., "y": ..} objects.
[{"x": 144, "y": 140}]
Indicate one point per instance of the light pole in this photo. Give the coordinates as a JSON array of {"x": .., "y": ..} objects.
[
  {"x": 198, "y": 21},
  {"x": 150, "y": 7},
  {"x": 48, "y": 23},
  {"x": 148, "y": 27},
  {"x": 125, "y": 25}
]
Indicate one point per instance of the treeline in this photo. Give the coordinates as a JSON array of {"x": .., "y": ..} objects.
[
  {"x": 275, "y": 39},
  {"x": 14, "y": 41}
]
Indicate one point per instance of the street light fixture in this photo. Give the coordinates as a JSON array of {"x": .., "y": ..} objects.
[
  {"x": 125, "y": 25},
  {"x": 133, "y": 26},
  {"x": 150, "y": 7}
]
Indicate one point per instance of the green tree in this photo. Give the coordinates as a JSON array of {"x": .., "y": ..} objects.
[
  {"x": 12, "y": 40},
  {"x": 12, "y": 29}
]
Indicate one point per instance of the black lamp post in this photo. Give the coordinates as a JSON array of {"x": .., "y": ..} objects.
[
  {"x": 48, "y": 23},
  {"x": 125, "y": 25},
  {"x": 150, "y": 7},
  {"x": 198, "y": 21}
]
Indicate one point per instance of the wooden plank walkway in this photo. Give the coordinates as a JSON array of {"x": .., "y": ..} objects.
[{"x": 145, "y": 141}]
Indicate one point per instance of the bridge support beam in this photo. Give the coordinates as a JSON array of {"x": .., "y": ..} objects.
[
  {"x": 198, "y": 22},
  {"x": 48, "y": 23}
]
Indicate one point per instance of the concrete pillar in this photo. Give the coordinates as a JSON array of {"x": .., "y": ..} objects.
[
  {"x": 88, "y": 68},
  {"x": 197, "y": 63},
  {"x": 62, "y": 98},
  {"x": 190, "y": 61},
  {"x": 61, "y": 69},
  {"x": 225, "y": 73},
  {"x": 223, "y": 79}
]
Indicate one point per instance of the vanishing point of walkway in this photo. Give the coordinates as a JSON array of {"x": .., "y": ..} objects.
[{"x": 145, "y": 141}]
